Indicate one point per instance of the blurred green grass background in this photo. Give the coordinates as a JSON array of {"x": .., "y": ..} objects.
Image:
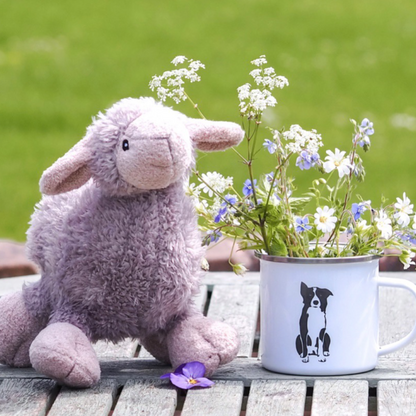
[{"x": 62, "y": 62}]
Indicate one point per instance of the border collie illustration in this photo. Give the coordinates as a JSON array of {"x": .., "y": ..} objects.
[{"x": 313, "y": 338}]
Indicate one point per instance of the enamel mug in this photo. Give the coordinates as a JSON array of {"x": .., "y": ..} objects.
[{"x": 320, "y": 316}]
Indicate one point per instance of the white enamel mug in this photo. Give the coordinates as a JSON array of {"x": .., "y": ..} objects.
[{"x": 320, "y": 316}]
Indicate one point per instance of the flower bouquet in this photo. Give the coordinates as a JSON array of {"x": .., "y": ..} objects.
[{"x": 267, "y": 213}]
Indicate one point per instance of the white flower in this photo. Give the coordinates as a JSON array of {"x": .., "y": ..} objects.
[
  {"x": 213, "y": 181},
  {"x": 404, "y": 208},
  {"x": 300, "y": 139},
  {"x": 204, "y": 264},
  {"x": 337, "y": 161},
  {"x": 239, "y": 269},
  {"x": 260, "y": 61},
  {"x": 180, "y": 59},
  {"x": 170, "y": 83},
  {"x": 324, "y": 219},
  {"x": 361, "y": 226},
  {"x": 406, "y": 259},
  {"x": 383, "y": 223}
]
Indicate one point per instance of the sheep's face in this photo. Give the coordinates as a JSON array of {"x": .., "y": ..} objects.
[
  {"x": 137, "y": 145},
  {"x": 154, "y": 151}
]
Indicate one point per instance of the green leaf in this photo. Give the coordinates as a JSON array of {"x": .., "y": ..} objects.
[{"x": 278, "y": 248}]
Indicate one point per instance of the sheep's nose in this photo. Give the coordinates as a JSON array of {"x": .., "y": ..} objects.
[{"x": 160, "y": 153}]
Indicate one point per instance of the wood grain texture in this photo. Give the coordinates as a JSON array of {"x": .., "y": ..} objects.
[
  {"x": 25, "y": 397},
  {"x": 285, "y": 398},
  {"x": 96, "y": 401},
  {"x": 241, "y": 369},
  {"x": 123, "y": 349},
  {"x": 224, "y": 398},
  {"x": 237, "y": 306},
  {"x": 341, "y": 397},
  {"x": 146, "y": 398},
  {"x": 396, "y": 398}
]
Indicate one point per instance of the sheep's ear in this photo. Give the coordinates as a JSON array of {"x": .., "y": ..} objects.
[
  {"x": 69, "y": 172},
  {"x": 210, "y": 136}
]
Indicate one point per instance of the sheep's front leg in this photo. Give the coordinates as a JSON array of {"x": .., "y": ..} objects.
[
  {"x": 17, "y": 330},
  {"x": 63, "y": 352},
  {"x": 198, "y": 338}
]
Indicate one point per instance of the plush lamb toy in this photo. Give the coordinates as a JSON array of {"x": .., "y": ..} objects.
[{"x": 120, "y": 253}]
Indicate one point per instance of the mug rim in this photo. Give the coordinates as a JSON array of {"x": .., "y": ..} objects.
[{"x": 317, "y": 260}]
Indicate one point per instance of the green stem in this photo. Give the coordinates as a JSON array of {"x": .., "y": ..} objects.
[{"x": 194, "y": 105}]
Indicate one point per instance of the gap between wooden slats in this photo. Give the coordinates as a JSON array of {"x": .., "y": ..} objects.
[
  {"x": 96, "y": 401},
  {"x": 25, "y": 397},
  {"x": 199, "y": 301},
  {"x": 396, "y": 398},
  {"x": 146, "y": 398},
  {"x": 224, "y": 398},
  {"x": 237, "y": 306},
  {"x": 341, "y": 397},
  {"x": 285, "y": 398}
]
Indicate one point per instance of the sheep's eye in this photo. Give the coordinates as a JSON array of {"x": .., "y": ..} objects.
[{"x": 125, "y": 145}]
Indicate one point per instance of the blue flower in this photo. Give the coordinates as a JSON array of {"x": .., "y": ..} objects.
[
  {"x": 270, "y": 146},
  {"x": 305, "y": 160},
  {"x": 248, "y": 187},
  {"x": 214, "y": 235},
  {"x": 302, "y": 224},
  {"x": 358, "y": 209},
  {"x": 229, "y": 200},
  {"x": 367, "y": 127},
  {"x": 269, "y": 178}
]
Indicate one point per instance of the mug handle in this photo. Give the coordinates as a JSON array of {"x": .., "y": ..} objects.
[{"x": 411, "y": 287}]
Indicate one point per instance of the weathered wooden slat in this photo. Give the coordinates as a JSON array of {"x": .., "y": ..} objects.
[
  {"x": 25, "y": 397},
  {"x": 224, "y": 398},
  {"x": 123, "y": 349},
  {"x": 14, "y": 284},
  {"x": 146, "y": 398},
  {"x": 96, "y": 401},
  {"x": 199, "y": 300},
  {"x": 237, "y": 306},
  {"x": 347, "y": 398},
  {"x": 241, "y": 369},
  {"x": 276, "y": 398},
  {"x": 396, "y": 398}
]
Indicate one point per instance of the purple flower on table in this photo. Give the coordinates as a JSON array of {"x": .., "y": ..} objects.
[
  {"x": 189, "y": 375},
  {"x": 302, "y": 224},
  {"x": 248, "y": 187}
]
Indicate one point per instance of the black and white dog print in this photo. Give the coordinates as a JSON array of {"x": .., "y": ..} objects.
[{"x": 313, "y": 338}]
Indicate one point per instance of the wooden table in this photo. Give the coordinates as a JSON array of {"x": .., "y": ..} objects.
[{"x": 130, "y": 382}]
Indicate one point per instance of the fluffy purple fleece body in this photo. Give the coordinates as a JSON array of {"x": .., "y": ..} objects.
[
  {"x": 119, "y": 249},
  {"x": 110, "y": 263}
]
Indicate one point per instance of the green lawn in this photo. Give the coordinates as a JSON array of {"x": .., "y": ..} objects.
[{"x": 62, "y": 62}]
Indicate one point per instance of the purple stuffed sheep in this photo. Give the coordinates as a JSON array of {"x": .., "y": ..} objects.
[{"x": 117, "y": 241}]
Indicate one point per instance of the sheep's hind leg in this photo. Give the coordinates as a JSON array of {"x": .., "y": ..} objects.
[
  {"x": 197, "y": 338},
  {"x": 17, "y": 331},
  {"x": 63, "y": 352},
  {"x": 156, "y": 345}
]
